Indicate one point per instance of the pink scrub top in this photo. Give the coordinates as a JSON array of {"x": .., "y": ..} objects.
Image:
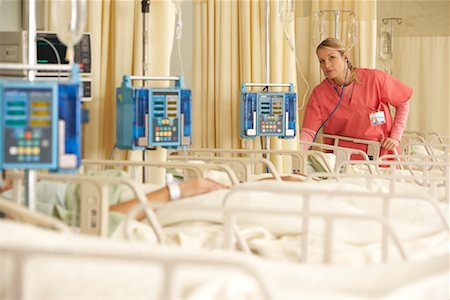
[{"x": 372, "y": 91}]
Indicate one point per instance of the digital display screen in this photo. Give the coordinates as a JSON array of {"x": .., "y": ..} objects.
[{"x": 46, "y": 53}]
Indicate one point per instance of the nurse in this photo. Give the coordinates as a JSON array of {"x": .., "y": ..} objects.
[{"x": 354, "y": 102}]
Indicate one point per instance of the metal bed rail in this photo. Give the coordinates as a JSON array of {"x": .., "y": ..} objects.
[
  {"x": 305, "y": 214},
  {"x": 425, "y": 179},
  {"x": 94, "y": 204},
  {"x": 169, "y": 262},
  {"x": 241, "y": 165},
  {"x": 199, "y": 170}
]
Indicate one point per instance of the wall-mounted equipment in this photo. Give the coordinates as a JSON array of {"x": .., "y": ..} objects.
[
  {"x": 151, "y": 116},
  {"x": 266, "y": 113},
  {"x": 40, "y": 124},
  {"x": 49, "y": 51}
]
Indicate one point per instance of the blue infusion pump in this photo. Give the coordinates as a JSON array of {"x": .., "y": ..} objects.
[
  {"x": 40, "y": 125},
  {"x": 148, "y": 116},
  {"x": 265, "y": 113}
]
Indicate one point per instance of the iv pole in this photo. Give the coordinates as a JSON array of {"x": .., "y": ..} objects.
[
  {"x": 386, "y": 21},
  {"x": 145, "y": 9},
  {"x": 30, "y": 175},
  {"x": 267, "y": 57}
]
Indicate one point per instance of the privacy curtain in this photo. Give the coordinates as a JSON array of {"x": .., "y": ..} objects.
[
  {"x": 229, "y": 50},
  {"x": 229, "y": 43},
  {"x": 421, "y": 58},
  {"x": 116, "y": 41}
]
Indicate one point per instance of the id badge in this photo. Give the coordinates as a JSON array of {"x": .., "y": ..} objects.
[{"x": 377, "y": 118}]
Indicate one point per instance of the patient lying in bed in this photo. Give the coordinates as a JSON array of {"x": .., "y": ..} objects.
[{"x": 61, "y": 199}]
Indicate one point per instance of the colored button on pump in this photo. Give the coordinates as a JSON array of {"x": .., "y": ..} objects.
[
  {"x": 37, "y": 134},
  {"x": 18, "y": 133},
  {"x": 28, "y": 135},
  {"x": 12, "y": 150}
]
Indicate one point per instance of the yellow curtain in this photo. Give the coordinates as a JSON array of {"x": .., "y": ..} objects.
[
  {"x": 229, "y": 48},
  {"x": 229, "y": 43},
  {"x": 116, "y": 42},
  {"x": 428, "y": 74},
  {"x": 420, "y": 51}
]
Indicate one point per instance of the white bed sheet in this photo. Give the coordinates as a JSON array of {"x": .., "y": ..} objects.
[
  {"x": 415, "y": 222},
  {"x": 53, "y": 277}
]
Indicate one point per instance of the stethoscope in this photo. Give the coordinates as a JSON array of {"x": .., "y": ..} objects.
[{"x": 337, "y": 105}]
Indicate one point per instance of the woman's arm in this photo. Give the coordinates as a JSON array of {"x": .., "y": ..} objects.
[{"x": 401, "y": 116}]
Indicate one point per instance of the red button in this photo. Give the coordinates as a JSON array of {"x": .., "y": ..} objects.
[{"x": 28, "y": 135}]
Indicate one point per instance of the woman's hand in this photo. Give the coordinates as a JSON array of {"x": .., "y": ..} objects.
[
  {"x": 194, "y": 187},
  {"x": 389, "y": 143}
]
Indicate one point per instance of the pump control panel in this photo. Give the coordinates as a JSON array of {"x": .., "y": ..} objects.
[
  {"x": 29, "y": 120},
  {"x": 149, "y": 116},
  {"x": 40, "y": 125},
  {"x": 265, "y": 113}
]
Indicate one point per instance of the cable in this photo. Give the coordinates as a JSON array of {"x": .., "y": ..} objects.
[
  {"x": 299, "y": 69},
  {"x": 286, "y": 15},
  {"x": 58, "y": 58}
]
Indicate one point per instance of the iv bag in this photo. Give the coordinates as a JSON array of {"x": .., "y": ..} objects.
[
  {"x": 385, "y": 46},
  {"x": 286, "y": 11},
  {"x": 68, "y": 19},
  {"x": 352, "y": 34},
  {"x": 319, "y": 29}
]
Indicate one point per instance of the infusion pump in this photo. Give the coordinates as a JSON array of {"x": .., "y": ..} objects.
[
  {"x": 153, "y": 116},
  {"x": 40, "y": 124},
  {"x": 266, "y": 113}
]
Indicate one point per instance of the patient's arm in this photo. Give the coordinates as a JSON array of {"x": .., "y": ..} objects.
[
  {"x": 5, "y": 185},
  {"x": 188, "y": 188}
]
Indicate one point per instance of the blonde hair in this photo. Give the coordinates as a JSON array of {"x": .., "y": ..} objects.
[{"x": 335, "y": 44}]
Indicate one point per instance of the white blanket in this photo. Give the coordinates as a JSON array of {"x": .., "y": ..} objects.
[
  {"x": 74, "y": 277},
  {"x": 415, "y": 222}
]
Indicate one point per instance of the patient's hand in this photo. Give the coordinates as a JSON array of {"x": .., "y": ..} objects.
[
  {"x": 194, "y": 187},
  {"x": 7, "y": 184}
]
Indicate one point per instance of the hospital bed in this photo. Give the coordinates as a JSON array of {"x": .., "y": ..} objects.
[
  {"x": 300, "y": 159},
  {"x": 373, "y": 147},
  {"x": 242, "y": 166},
  {"x": 159, "y": 228},
  {"x": 283, "y": 236},
  {"x": 194, "y": 170},
  {"x": 426, "y": 262},
  {"x": 425, "y": 143},
  {"x": 161, "y": 221},
  {"x": 428, "y": 175},
  {"x": 423, "y": 137},
  {"x": 93, "y": 205},
  {"x": 31, "y": 261}
]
